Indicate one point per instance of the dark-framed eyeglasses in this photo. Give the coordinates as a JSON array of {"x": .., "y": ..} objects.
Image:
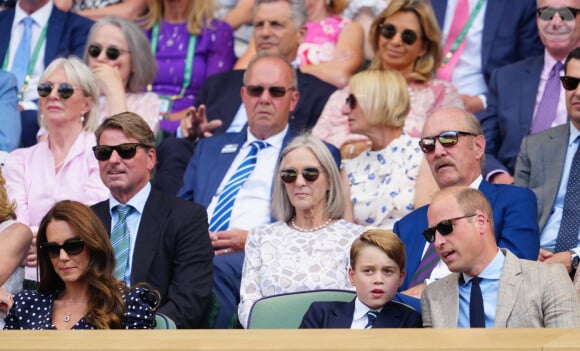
[
  {"x": 566, "y": 13},
  {"x": 444, "y": 227},
  {"x": 64, "y": 90},
  {"x": 289, "y": 175},
  {"x": 112, "y": 53},
  {"x": 72, "y": 247},
  {"x": 125, "y": 151},
  {"x": 275, "y": 92},
  {"x": 351, "y": 101},
  {"x": 446, "y": 139},
  {"x": 570, "y": 83},
  {"x": 388, "y": 31}
]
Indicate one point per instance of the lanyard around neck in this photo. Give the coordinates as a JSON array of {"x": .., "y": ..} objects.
[
  {"x": 464, "y": 31},
  {"x": 31, "y": 64},
  {"x": 188, "y": 60}
]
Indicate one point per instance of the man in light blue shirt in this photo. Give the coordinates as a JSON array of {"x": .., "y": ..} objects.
[{"x": 489, "y": 287}]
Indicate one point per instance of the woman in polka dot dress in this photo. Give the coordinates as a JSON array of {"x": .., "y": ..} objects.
[{"x": 78, "y": 289}]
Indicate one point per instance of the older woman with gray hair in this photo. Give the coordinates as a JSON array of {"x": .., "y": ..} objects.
[
  {"x": 384, "y": 179},
  {"x": 120, "y": 57},
  {"x": 62, "y": 166},
  {"x": 308, "y": 248}
]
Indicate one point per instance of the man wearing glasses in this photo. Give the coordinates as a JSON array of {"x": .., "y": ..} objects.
[
  {"x": 489, "y": 287},
  {"x": 454, "y": 147},
  {"x": 158, "y": 239},
  {"x": 526, "y": 97},
  {"x": 549, "y": 164}
]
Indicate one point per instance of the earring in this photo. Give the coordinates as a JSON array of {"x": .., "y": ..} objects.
[{"x": 82, "y": 119}]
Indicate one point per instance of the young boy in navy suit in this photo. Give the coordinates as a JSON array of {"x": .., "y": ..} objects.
[{"x": 377, "y": 270}]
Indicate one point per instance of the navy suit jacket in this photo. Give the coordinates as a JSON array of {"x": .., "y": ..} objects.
[
  {"x": 173, "y": 254},
  {"x": 510, "y": 33},
  {"x": 510, "y": 109},
  {"x": 515, "y": 225},
  {"x": 221, "y": 95},
  {"x": 67, "y": 34},
  {"x": 10, "y": 126},
  {"x": 336, "y": 314}
]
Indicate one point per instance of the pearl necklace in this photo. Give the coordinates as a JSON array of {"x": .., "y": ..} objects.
[{"x": 324, "y": 225}]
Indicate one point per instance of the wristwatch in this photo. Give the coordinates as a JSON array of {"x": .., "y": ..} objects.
[{"x": 574, "y": 260}]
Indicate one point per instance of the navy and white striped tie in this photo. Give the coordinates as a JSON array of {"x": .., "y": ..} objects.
[{"x": 220, "y": 220}]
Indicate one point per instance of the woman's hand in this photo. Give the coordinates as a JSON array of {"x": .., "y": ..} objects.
[
  {"x": 6, "y": 301},
  {"x": 112, "y": 86}
]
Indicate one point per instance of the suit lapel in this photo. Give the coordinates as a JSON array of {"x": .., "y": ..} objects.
[
  {"x": 439, "y": 7},
  {"x": 6, "y": 19},
  {"x": 494, "y": 9},
  {"x": 102, "y": 211},
  {"x": 56, "y": 23},
  {"x": 528, "y": 88},
  {"x": 553, "y": 156},
  {"x": 341, "y": 316},
  {"x": 509, "y": 286}
]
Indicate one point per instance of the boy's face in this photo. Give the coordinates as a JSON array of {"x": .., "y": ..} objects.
[{"x": 376, "y": 277}]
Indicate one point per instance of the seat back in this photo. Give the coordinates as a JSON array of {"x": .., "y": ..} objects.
[
  {"x": 164, "y": 322},
  {"x": 286, "y": 311}
]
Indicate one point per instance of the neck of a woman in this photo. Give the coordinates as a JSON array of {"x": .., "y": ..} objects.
[
  {"x": 61, "y": 139},
  {"x": 75, "y": 293},
  {"x": 175, "y": 11},
  {"x": 310, "y": 220},
  {"x": 318, "y": 13},
  {"x": 381, "y": 137}
]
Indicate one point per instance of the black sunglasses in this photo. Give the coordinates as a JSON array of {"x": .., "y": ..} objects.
[
  {"x": 258, "y": 90},
  {"x": 446, "y": 139},
  {"x": 125, "y": 151},
  {"x": 351, "y": 101},
  {"x": 444, "y": 227},
  {"x": 64, "y": 90},
  {"x": 111, "y": 52},
  {"x": 570, "y": 83},
  {"x": 72, "y": 246},
  {"x": 566, "y": 13},
  {"x": 289, "y": 175},
  {"x": 388, "y": 31}
]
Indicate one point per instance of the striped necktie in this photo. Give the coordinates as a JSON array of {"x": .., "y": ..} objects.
[
  {"x": 121, "y": 241},
  {"x": 372, "y": 317},
  {"x": 220, "y": 220}
]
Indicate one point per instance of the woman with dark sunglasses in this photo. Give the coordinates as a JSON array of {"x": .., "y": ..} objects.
[
  {"x": 78, "y": 288},
  {"x": 308, "y": 248},
  {"x": 120, "y": 57},
  {"x": 391, "y": 178},
  {"x": 189, "y": 46},
  {"x": 61, "y": 165},
  {"x": 405, "y": 37}
]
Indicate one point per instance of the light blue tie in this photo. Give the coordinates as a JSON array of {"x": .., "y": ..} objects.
[
  {"x": 22, "y": 57},
  {"x": 120, "y": 238},
  {"x": 220, "y": 220},
  {"x": 372, "y": 317}
]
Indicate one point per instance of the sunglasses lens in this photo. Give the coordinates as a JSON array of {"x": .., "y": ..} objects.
[
  {"x": 102, "y": 152},
  {"x": 73, "y": 246},
  {"x": 113, "y": 53},
  {"x": 427, "y": 145},
  {"x": 388, "y": 30},
  {"x": 444, "y": 227},
  {"x": 570, "y": 83},
  {"x": 288, "y": 176},
  {"x": 310, "y": 174},
  {"x": 429, "y": 234},
  {"x": 126, "y": 151},
  {"x": 254, "y": 90},
  {"x": 409, "y": 37},
  {"x": 351, "y": 101},
  {"x": 44, "y": 89},
  {"x": 94, "y": 51},
  {"x": 448, "y": 138},
  {"x": 277, "y": 92},
  {"x": 65, "y": 90}
]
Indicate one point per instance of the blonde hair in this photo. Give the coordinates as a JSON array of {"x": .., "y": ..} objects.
[
  {"x": 383, "y": 95},
  {"x": 199, "y": 14},
  {"x": 7, "y": 208}
]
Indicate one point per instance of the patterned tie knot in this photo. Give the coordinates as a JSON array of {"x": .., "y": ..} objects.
[
  {"x": 372, "y": 317},
  {"x": 259, "y": 145},
  {"x": 123, "y": 211},
  {"x": 558, "y": 66}
]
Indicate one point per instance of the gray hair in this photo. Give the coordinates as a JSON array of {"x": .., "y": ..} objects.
[
  {"x": 143, "y": 64},
  {"x": 297, "y": 10},
  {"x": 81, "y": 77},
  {"x": 336, "y": 197}
]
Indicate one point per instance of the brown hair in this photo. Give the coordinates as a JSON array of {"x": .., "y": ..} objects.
[
  {"x": 132, "y": 125},
  {"x": 105, "y": 301},
  {"x": 385, "y": 240},
  {"x": 199, "y": 14},
  {"x": 7, "y": 208}
]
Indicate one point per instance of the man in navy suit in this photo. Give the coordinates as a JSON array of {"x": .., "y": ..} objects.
[
  {"x": 9, "y": 118},
  {"x": 279, "y": 26},
  {"x": 169, "y": 248},
  {"x": 503, "y": 32},
  {"x": 66, "y": 34},
  {"x": 459, "y": 161},
  {"x": 269, "y": 95},
  {"x": 516, "y": 90}
]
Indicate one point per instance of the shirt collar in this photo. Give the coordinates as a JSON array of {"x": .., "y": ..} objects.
[
  {"x": 275, "y": 140},
  {"x": 574, "y": 133},
  {"x": 40, "y": 16},
  {"x": 137, "y": 201},
  {"x": 493, "y": 269},
  {"x": 549, "y": 63},
  {"x": 360, "y": 309},
  {"x": 476, "y": 183}
]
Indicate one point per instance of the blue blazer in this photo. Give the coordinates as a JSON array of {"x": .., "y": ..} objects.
[
  {"x": 336, "y": 314},
  {"x": 67, "y": 34},
  {"x": 510, "y": 109},
  {"x": 10, "y": 126},
  {"x": 221, "y": 95},
  {"x": 510, "y": 33},
  {"x": 515, "y": 225}
]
